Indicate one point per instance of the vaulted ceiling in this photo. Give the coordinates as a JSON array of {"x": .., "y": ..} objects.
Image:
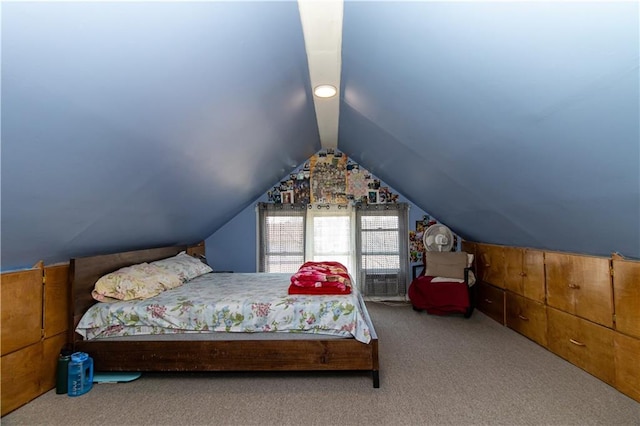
[{"x": 126, "y": 125}]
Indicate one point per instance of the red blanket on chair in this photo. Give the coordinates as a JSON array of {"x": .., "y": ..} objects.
[
  {"x": 321, "y": 278},
  {"x": 439, "y": 298}
]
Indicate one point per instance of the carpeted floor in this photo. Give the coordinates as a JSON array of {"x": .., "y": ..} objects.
[{"x": 433, "y": 371}]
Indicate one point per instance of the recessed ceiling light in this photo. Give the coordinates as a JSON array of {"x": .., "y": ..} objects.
[{"x": 325, "y": 91}]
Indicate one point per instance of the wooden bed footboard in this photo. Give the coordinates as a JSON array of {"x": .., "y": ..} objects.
[
  {"x": 206, "y": 355},
  {"x": 234, "y": 355}
]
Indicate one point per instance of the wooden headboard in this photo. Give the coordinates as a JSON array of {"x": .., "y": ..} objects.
[{"x": 85, "y": 271}]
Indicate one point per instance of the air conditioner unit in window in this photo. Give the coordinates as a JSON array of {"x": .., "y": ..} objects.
[{"x": 380, "y": 285}]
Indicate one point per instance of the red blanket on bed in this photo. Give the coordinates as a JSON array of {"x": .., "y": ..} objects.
[{"x": 321, "y": 278}]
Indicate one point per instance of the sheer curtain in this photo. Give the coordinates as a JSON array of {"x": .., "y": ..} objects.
[
  {"x": 382, "y": 246},
  {"x": 281, "y": 229},
  {"x": 372, "y": 241}
]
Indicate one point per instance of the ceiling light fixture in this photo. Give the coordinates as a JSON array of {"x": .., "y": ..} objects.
[{"x": 325, "y": 91}]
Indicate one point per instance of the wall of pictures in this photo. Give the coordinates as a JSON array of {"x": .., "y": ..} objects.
[
  {"x": 416, "y": 247},
  {"x": 330, "y": 177}
]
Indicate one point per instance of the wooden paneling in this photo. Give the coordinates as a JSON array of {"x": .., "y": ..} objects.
[
  {"x": 527, "y": 317},
  {"x": 524, "y": 272},
  {"x": 583, "y": 343},
  {"x": 580, "y": 285},
  {"x": 56, "y": 299},
  {"x": 513, "y": 269},
  {"x": 490, "y": 301},
  {"x": 21, "y": 377},
  {"x": 21, "y": 309},
  {"x": 533, "y": 281},
  {"x": 627, "y": 359},
  {"x": 490, "y": 264},
  {"x": 626, "y": 290}
]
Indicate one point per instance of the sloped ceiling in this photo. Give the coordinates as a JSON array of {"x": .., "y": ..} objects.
[
  {"x": 512, "y": 122},
  {"x": 127, "y": 125}
]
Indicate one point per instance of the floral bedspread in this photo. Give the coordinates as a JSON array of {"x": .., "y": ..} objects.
[{"x": 230, "y": 302}]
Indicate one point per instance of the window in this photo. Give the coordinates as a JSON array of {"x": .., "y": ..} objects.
[
  {"x": 370, "y": 240},
  {"x": 382, "y": 246},
  {"x": 281, "y": 242},
  {"x": 330, "y": 234}
]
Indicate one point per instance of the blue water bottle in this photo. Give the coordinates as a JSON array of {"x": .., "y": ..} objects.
[{"x": 80, "y": 374}]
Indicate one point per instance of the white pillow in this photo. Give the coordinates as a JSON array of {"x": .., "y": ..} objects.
[{"x": 185, "y": 266}]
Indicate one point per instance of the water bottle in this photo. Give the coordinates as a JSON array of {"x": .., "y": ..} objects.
[
  {"x": 80, "y": 371},
  {"x": 62, "y": 371}
]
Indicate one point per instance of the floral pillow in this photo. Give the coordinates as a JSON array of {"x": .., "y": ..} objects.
[
  {"x": 185, "y": 266},
  {"x": 134, "y": 282}
]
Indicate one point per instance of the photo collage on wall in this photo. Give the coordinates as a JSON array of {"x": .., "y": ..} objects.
[
  {"x": 330, "y": 177},
  {"x": 416, "y": 246}
]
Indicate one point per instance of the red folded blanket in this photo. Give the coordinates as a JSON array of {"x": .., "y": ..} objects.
[
  {"x": 296, "y": 289},
  {"x": 321, "y": 278}
]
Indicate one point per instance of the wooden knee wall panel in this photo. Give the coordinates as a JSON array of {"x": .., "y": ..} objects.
[
  {"x": 33, "y": 330},
  {"x": 583, "y": 308}
]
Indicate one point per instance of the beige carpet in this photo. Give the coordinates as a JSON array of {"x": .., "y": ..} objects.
[{"x": 433, "y": 371}]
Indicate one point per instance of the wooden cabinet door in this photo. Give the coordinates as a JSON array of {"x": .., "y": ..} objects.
[
  {"x": 56, "y": 300},
  {"x": 627, "y": 359},
  {"x": 513, "y": 269},
  {"x": 626, "y": 290},
  {"x": 490, "y": 264},
  {"x": 527, "y": 317},
  {"x": 21, "y": 376},
  {"x": 490, "y": 301},
  {"x": 21, "y": 309},
  {"x": 533, "y": 280},
  {"x": 580, "y": 285},
  {"x": 583, "y": 343}
]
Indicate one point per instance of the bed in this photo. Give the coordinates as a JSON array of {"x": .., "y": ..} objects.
[{"x": 212, "y": 351}]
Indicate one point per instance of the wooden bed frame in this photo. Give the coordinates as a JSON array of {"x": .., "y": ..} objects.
[{"x": 205, "y": 355}]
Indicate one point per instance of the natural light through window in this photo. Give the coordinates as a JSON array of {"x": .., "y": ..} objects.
[
  {"x": 284, "y": 243},
  {"x": 380, "y": 243},
  {"x": 332, "y": 239}
]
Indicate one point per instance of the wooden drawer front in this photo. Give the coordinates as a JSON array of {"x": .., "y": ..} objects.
[
  {"x": 21, "y": 377},
  {"x": 21, "y": 309},
  {"x": 627, "y": 359},
  {"x": 626, "y": 290},
  {"x": 490, "y": 264},
  {"x": 583, "y": 343},
  {"x": 527, "y": 317},
  {"x": 490, "y": 300},
  {"x": 580, "y": 285}
]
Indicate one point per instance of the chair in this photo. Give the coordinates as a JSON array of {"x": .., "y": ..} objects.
[{"x": 445, "y": 284}]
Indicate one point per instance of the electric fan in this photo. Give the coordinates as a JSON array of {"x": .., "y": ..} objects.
[{"x": 438, "y": 237}]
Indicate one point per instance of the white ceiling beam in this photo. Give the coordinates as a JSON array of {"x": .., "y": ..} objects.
[{"x": 322, "y": 28}]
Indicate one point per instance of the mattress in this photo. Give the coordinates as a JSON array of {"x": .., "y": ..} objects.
[{"x": 244, "y": 303}]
